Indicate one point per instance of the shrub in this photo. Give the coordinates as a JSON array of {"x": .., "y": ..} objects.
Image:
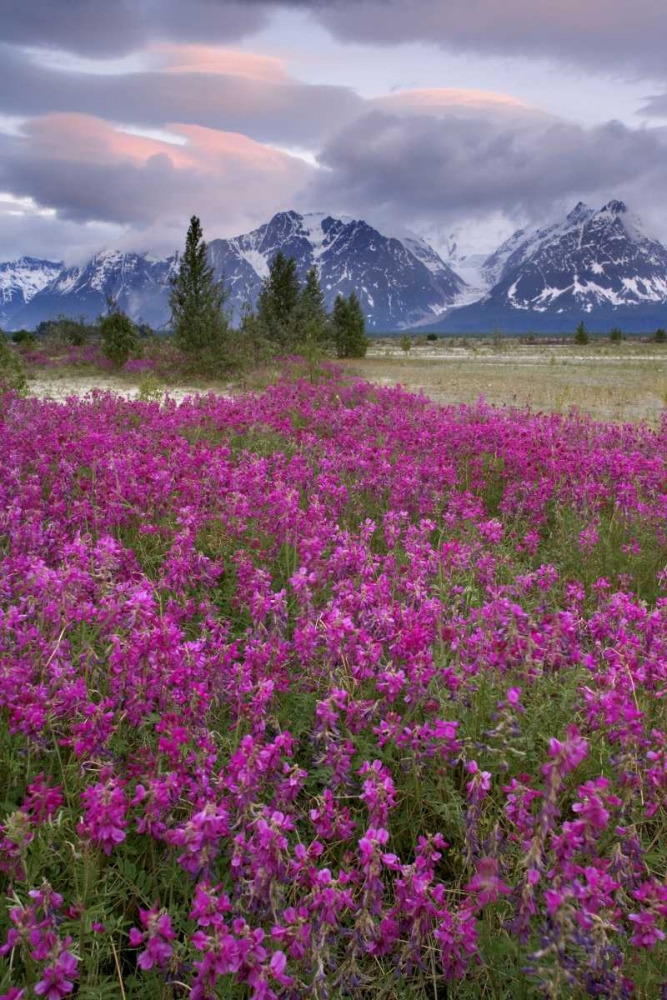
[
  {"x": 12, "y": 372},
  {"x": 119, "y": 338},
  {"x": 25, "y": 337},
  {"x": 405, "y": 343}
]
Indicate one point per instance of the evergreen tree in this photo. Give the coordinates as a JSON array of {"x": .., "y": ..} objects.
[
  {"x": 660, "y": 336},
  {"x": 311, "y": 319},
  {"x": 339, "y": 322},
  {"x": 357, "y": 342},
  {"x": 349, "y": 327},
  {"x": 616, "y": 335},
  {"x": 120, "y": 340},
  {"x": 581, "y": 334},
  {"x": 278, "y": 302},
  {"x": 197, "y": 299}
]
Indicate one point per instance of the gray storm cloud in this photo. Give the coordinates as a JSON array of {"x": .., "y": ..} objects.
[
  {"x": 423, "y": 167},
  {"x": 108, "y": 28},
  {"x": 625, "y": 34}
]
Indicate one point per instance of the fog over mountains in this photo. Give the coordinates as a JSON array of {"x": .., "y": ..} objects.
[{"x": 596, "y": 265}]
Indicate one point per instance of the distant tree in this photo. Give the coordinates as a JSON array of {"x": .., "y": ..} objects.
[
  {"x": 660, "y": 336},
  {"x": 616, "y": 335},
  {"x": 431, "y": 336},
  {"x": 581, "y": 334},
  {"x": 197, "y": 300},
  {"x": 26, "y": 337},
  {"x": 406, "y": 343},
  {"x": 120, "y": 340},
  {"x": 277, "y": 305},
  {"x": 67, "y": 330},
  {"x": 349, "y": 327}
]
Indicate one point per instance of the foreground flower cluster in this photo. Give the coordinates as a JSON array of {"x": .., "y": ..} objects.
[{"x": 331, "y": 692}]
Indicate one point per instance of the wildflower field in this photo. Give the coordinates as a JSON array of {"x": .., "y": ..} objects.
[{"x": 330, "y": 692}]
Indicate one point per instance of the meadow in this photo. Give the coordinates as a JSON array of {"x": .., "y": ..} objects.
[{"x": 327, "y": 690}]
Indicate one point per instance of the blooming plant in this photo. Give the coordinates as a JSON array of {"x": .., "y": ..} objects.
[{"x": 329, "y": 692}]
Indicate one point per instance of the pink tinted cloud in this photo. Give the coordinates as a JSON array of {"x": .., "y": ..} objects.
[
  {"x": 65, "y": 136},
  {"x": 89, "y": 169},
  {"x": 447, "y": 97},
  {"x": 218, "y": 61}
]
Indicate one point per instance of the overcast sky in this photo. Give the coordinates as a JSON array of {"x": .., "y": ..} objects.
[{"x": 120, "y": 120}]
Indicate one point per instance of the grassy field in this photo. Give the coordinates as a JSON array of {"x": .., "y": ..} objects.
[{"x": 609, "y": 382}]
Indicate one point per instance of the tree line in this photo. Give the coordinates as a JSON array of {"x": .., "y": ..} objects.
[{"x": 289, "y": 317}]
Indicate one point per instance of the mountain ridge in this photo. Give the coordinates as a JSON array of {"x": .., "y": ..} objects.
[
  {"x": 399, "y": 284},
  {"x": 599, "y": 266}
]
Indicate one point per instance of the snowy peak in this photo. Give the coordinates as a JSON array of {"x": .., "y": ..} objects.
[
  {"x": 581, "y": 213},
  {"x": 595, "y": 258},
  {"x": 400, "y": 282},
  {"x": 592, "y": 263},
  {"x": 138, "y": 282},
  {"x": 21, "y": 280}
]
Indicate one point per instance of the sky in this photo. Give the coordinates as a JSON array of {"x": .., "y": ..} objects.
[{"x": 464, "y": 118}]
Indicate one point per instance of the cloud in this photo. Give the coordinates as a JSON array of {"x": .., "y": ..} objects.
[
  {"x": 212, "y": 59},
  {"x": 115, "y": 27},
  {"x": 90, "y": 172},
  {"x": 419, "y": 168},
  {"x": 216, "y": 88},
  {"x": 626, "y": 36}
]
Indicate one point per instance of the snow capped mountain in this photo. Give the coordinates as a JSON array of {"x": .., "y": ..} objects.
[
  {"x": 400, "y": 282},
  {"x": 600, "y": 266},
  {"x": 138, "y": 282},
  {"x": 597, "y": 264},
  {"x": 21, "y": 280}
]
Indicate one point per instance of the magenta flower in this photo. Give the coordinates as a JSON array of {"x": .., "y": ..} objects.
[
  {"x": 58, "y": 979},
  {"x": 156, "y": 937}
]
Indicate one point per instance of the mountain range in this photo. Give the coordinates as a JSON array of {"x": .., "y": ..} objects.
[{"x": 596, "y": 265}]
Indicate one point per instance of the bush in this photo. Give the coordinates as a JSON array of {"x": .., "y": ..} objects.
[
  {"x": 119, "y": 338},
  {"x": 26, "y": 337},
  {"x": 405, "y": 343},
  {"x": 12, "y": 372},
  {"x": 150, "y": 388},
  {"x": 431, "y": 336},
  {"x": 74, "y": 332}
]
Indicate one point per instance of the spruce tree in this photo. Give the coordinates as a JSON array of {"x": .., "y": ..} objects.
[
  {"x": 278, "y": 302},
  {"x": 349, "y": 327},
  {"x": 311, "y": 319},
  {"x": 197, "y": 299},
  {"x": 357, "y": 342},
  {"x": 340, "y": 324},
  {"x": 581, "y": 334}
]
